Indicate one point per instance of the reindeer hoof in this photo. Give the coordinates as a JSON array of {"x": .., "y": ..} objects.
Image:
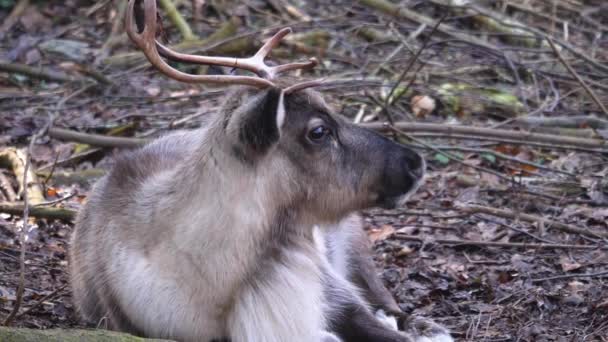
[
  {"x": 426, "y": 330},
  {"x": 388, "y": 320}
]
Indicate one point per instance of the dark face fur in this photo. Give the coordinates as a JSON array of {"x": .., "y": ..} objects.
[{"x": 335, "y": 166}]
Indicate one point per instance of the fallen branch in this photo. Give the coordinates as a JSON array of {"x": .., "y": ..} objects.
[
  {"x": 42, "y": 300},
  {"x": 37, "y": 72},
  {"x": 575, "y": 121},
  {"x": 81, "y": 177},
  {"x": 578, "y": 78},
  {"x": 399, "y": 11},
  {"x": 51, "y": 213},
  {"x": 405, "y": 237},
  {"x": 177, "y": 19},
  {"x": 504, "y": 213},
  {"x": 448, "y": 131},
  {"x": 96, "y": 139},
  {"x": 551, "y": 146},
  {"x": 573, "y": 275}
]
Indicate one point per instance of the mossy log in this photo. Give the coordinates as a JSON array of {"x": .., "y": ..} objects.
[
  {"x": 67, "y": 335},
  {"x": 51, "y": 213}
]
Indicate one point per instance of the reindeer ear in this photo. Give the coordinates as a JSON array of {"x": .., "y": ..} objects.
[{"x": 256, "y": 124}]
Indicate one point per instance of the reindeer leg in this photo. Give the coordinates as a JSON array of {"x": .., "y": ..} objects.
[{"x": 350, "y": 254}]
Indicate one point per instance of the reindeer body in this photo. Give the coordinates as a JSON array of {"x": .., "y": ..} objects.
[
  {"x": 185, "y": 239},
  {"x": 243, "y": 230}
]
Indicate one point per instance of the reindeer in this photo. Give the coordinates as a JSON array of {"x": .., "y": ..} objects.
[{"x": 246, "y": 229}]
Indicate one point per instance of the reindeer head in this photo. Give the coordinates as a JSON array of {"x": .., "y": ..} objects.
[{"x": 310, "y": 158}]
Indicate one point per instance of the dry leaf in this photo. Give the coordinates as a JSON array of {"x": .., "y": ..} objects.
[
  {"x": 568, "y": 265},
  {"x": 378, "y": 234},
  {"x": 153, "y": 91}
]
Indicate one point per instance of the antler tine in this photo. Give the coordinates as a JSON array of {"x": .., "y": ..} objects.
[
  {"x": 146, "y": 41},
  {"x": 303, "y": 85},
  {"x": 254, "y": 63},
  {"x": 271, "y": 44}
]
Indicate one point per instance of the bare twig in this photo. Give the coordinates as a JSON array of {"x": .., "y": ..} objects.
[
  {"x": 42, "y": 300},
  {"x": 40, "y": 73},
  {"x": 7, "y": 188},
  {"x": 448, "y": 131},
  {"x": 451, "y": 156},
  {"x": 573, "y": 275},
  {"x": 476, "y": 209},
  {"x": 24, "y": 229},
  {"x": 401, "y": 12},
  {"x": 405, "y": 237},
  {"x": 413, "y": 60},
  {"x": 177, "y": 19},
  {"x": 95, "y": 139},
  {"x": 578, "y": 78}
]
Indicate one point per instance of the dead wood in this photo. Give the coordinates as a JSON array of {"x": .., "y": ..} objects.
[
  {"x": 401, "y": 12},
  {"x": 16, "y": 208},
  {"x": 96, "y": 139},
  {"x": 578, "y": 78},
  {"x": 82, "y": 177},
  {"x": 548, "y": 223},
  {"x": 523, "y": 245},
  {"x": 39, "y": 73},
  {"x": 574, "y": 121},
  {"x": 177, "y": 19},
  {"x": 16, "y": 160},
  {"x": 451, "y": 131},
  {"x": 7, "y": 188}
]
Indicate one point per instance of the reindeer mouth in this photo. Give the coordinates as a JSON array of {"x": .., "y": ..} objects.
[{"x": 393, "y": 201}]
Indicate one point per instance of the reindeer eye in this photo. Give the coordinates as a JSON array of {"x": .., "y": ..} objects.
[{"x": 319, "y": 133}]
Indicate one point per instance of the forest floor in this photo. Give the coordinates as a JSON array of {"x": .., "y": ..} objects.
[{"x": 506, "y": 240}]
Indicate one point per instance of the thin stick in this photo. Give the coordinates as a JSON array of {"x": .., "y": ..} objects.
[
  {"x": 95, "y": 139},
  {"x": 405, "y": 237},
  {"x": 26, "y": 207},
  {"x": 573, "y": 275},
  {"x": 448, "y": 130},
  {"x": 451, "y": 156},
  {"x": 16, "y": 208},
  {"x": 42, "y": 300},
  {"x": 409, "y": 66},
  {"x": 578, "y": 78},
  {"x": 24, "y": 229},
  {"x": 504, "y": 213}
]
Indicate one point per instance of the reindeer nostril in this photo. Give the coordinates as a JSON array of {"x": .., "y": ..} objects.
[{"x": 417, "y": 172}]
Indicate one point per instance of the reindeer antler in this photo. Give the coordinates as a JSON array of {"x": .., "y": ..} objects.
[{"x": 146, "y": 41}]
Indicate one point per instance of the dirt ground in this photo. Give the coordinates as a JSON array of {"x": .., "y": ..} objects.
[{"x": 487, "y": 275}]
